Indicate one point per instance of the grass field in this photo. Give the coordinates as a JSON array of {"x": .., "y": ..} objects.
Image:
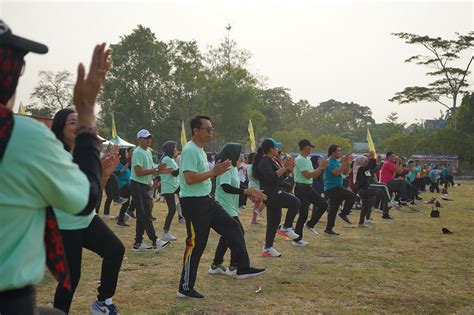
[{"x": 404, "y": 266}]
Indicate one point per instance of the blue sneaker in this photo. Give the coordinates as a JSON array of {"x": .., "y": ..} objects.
[{"x": 100, "y": 308}]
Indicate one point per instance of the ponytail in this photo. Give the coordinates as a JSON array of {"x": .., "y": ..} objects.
[{"x": 256, "y": 160}]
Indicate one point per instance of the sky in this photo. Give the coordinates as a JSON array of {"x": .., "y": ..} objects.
[{"x": 320, "y": 50}]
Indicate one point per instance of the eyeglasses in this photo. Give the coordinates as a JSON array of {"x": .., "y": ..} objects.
[{"x": 209, "y": 130}]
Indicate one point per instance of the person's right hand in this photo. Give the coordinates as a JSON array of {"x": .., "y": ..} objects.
[
  {"x": 87, "y": 89},
  {"x": 289, "y": 164},
  {"x": 324, "y": 163},
  {"x": 221, "y": 167}
]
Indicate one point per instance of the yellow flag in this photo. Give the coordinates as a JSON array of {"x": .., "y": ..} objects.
[
  {"x": 21, "y": 110},
  {"x": 253, "y": 145},
  {"x": 370, "y": 142},
  {"x": 114, "y": 130},
  {"x": 183, "y": 135}
]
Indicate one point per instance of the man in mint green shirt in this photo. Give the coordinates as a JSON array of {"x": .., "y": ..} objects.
[
  {"x": 304, "y": 191},
  {"x": 202, "y": 212},
  {"x": 140, "y": 188}
]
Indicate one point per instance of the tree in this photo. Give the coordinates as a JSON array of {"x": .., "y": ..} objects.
[
  {"x": 290, "y": 139},
  {"x": 401, "y": 143},
  {"x": 52, "y": 93},
  {"x": 323, "y": 142},
  {"x": 449, "y": 80},
  {"x": 465, "y": 114},
  {"x": 137, "y": 84}
]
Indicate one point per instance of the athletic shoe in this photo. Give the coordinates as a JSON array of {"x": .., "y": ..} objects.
[
  {"x": 108, "y": 216},
  {"x": 288, "y": 232},
  {"x": 130, "y": 214},
  {"x": 122, "y": 224},
  {"x": 387, "y": 217},
  {"x": 189, "y": 294},
  {"x": 120, "y": 201},
  {"x": 159, "y": 245},
  {"x": 259, "y": 213},
  {"x": 217, "y": 270},
  {"x": 311, "y": 230},
  {"x": 102, "y": 308},
  {"x": 390, "y": 204},
  {"x": 402, "y": 202},
  {"x": 250, "y": 272},
  {"x": 344, "y": 218},
  {"x": 231, "y": 271},
  {"x": 413, "y": 203},
  {"x": 331, "y": 233},
  {"x": 142, "y": 247},
  {"x": 362, "y": 225},
  {"x": 168, "y": 237},
  {"x": 418, "y": 198},
  {"x": 270, "y": 252},
  {"x": 300, "y": 243},
  {"x": 369, "y": 221}
]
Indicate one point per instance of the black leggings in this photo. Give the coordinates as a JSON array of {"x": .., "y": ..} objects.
[
  {"x": 336, "y": 196},
  {"x": 112, "y": 191},
  {"x": 222, "y": 248},
  {"x": 23, "y": 301},
  {"x": 367, "y": 196},
  {"x": 171, "y": 203},
  {"x": 125, "y": 193},
  {"x": 98, "y": 238},
  {"x": 307, "y": 195},
  {"x": 276, "y": 200}
]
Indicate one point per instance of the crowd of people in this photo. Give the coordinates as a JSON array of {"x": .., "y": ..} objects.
[{"x": 57, "y": 178}]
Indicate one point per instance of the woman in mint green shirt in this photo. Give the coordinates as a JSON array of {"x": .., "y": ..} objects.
[
  {"x": 85, "y": 232},
  {"x": 227, "y": 195},
  {"x": 169, "y": 186},
  {"x": 258, "y": 204}
]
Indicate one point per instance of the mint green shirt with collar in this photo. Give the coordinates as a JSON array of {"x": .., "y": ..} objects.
[
  {"x": 194, "y": 159},
  {"x": 303, "y": 164},
  {"x": 144, "y": 159}
]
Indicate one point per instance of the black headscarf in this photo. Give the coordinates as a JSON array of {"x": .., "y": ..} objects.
[
  {"x": 231, "y": 151},
  {"x": 168, "y": 148}
]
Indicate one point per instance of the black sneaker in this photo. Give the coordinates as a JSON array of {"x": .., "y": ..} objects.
[
  {"x": 189, "y": 294},
  {"x": 418, "y": 198},
  {"x": 331, "y": 233},
  {"x": 344, "y": 218},
  {"x": 413, "y": 203},
  {"x": 250, "y": 272},
  {"x": 387, "y": 217},
  {"x": 122, "y": 224}
]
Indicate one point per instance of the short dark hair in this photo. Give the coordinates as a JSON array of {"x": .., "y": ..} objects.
[
  {"x": 389, "y": 154},
  {"x": 196, "y": 122},
  {"x": 332, "y": 149}
]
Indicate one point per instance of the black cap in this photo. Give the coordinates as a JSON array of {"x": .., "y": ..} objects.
[
  {"x": 7, "y": 38},
  {"x": 303, "y": 143}
]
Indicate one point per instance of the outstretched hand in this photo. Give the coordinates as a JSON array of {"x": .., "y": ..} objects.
[{"x": 110, "y": 160}]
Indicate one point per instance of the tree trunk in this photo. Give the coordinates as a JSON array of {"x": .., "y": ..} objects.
[{"x": 453, "y": 111}]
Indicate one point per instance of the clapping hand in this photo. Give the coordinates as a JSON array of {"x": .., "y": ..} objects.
[
  {"x": 163, "y": 169},
  {"x": 221, "y": 167},
  {"x": 324, "y": 163},
  {"x": 110, "y": 160},
  {"x": 289, "y": 163},
  {"x": 257, "y": 194}
]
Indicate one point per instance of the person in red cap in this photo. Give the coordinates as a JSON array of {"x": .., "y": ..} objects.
[{"x": 41, "y": 175}]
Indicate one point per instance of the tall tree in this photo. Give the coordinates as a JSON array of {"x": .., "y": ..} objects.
[
  {"x": 52, "y": 93},
  {"x": 465, "y": 114},
  {"x": 449, "y": 79}
]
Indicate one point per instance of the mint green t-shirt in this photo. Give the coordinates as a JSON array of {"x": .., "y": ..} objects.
[
  {"x": 253, "y": 183},
  {"x": 144, "y": 159},
  {"x": 230, "y": 202},
  {"x": 303, "y": 164},
  {"x": 36, "y": 172},
  {"x": 67, "y": 221},
  {"x": 169, "y": 183},
  {"x": 194, "y": 159}
]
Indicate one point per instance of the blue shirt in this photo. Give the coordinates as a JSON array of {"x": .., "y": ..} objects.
[
  {"x": 331, "y": 180},
  {"x": 122, "y": 178}
]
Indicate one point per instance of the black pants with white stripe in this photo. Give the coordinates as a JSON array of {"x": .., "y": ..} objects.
[{"x": 202, "y": 214}]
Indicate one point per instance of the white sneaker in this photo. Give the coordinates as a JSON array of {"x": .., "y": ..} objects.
[
  {"x": 231, "y": 271},
  {"x": 290, "y": 233},
  {"x": 311, "y": 230},
  {"x": 369, "y": 221},
  {"x": 270, "y": 252},
  {"x": 142, "y": 247},
  {"x": 159, "y": 245},
  {"x": 390, "y": 204},
  {"x": 363, "y": 226},
  {"x": 217, "y": 270},
  {"x": 108, "y": 216},
  {"x": 168, "y": 237},
  {"x": 300, "y": 243}
]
